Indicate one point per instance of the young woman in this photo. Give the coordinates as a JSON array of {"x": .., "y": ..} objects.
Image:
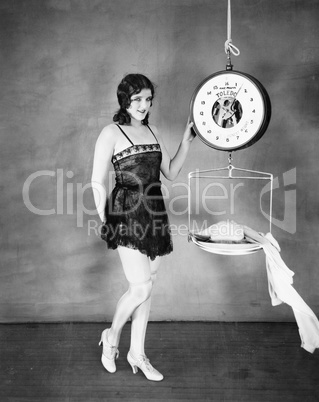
[{"x": 134, "y": 218}]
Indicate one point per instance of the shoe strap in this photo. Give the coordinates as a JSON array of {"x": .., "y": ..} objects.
[
  {"x": 113, "y": 351},
  {"x": 146, "y": 361}
]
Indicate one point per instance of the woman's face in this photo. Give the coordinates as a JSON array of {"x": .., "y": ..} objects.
[{"x": 140, "y": 104}]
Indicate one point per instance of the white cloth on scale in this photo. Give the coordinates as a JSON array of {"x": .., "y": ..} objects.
[{"x": 281, "y": 290}]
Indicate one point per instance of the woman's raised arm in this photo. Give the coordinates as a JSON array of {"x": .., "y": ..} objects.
[{"x": 171, "y": 167}]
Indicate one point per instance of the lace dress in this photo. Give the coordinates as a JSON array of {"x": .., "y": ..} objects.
[{"x": 135, "y": 211}]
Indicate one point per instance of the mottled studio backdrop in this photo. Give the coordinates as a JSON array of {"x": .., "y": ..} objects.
[{"x": 61, "y": 62}]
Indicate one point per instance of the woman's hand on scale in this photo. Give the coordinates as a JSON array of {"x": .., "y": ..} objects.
[{"x": 189, "y": 133}]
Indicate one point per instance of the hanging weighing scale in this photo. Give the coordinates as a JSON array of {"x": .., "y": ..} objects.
[{"x": 231, "y": 111}]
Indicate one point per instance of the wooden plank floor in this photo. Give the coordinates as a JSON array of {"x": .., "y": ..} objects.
[{"x": 200, "y": 361}]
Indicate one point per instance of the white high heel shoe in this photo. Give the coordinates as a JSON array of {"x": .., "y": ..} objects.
[
  {"x": 143, "y": 363},
  {"x": 109, "y": 353}
]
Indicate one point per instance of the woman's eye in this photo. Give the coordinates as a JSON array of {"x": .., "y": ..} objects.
[{"x": 140, "y": 99}]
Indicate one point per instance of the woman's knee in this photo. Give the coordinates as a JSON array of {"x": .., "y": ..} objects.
[
  {"x": 136, "y": 265},
  {"x": 141, "y": 291},
  {"x": 153, "y": 277}
]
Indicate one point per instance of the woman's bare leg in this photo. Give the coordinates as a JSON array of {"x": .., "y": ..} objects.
[
  {"x": 137, "y": 270},
  {"x": 141, "y": 315}
]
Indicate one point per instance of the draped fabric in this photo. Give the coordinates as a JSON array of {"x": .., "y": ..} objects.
[{"x": 280, "y": 280}]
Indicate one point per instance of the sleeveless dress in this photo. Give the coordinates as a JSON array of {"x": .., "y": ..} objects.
[{"x": 135, "y": 211}]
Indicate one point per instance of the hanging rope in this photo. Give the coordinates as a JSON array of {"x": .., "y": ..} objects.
[{"x": 229, "y": 47}]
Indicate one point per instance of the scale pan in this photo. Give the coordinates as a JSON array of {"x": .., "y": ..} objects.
[{"x": 235, "y": 248}]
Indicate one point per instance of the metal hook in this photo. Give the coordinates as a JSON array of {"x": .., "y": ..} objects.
[
  {"x": 229, "y": 66},
  {"x": 230, "y": 166},
  {"x": 230, "y": 158}
]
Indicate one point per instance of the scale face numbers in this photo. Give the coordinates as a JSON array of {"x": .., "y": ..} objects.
[{"x": 230, "y": 110}]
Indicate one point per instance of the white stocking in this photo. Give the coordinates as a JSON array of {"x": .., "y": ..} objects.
[
  {"x": 137, "y": 294},
  {"x": 139, "y": 325}
]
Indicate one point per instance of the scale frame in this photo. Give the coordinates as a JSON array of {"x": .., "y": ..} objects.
[{"x": 242, "y": 248}]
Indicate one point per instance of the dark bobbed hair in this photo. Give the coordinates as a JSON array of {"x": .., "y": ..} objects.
[{"x": 130, "y": 85}]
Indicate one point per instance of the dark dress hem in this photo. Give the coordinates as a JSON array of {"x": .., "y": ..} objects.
[{"x": 128, "y": 244}]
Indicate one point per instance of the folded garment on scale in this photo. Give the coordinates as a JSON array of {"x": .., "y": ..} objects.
[{"x": 224, "y": 231}]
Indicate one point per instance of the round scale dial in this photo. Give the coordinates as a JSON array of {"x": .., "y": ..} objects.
[{"x": 230, "y": 110}]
